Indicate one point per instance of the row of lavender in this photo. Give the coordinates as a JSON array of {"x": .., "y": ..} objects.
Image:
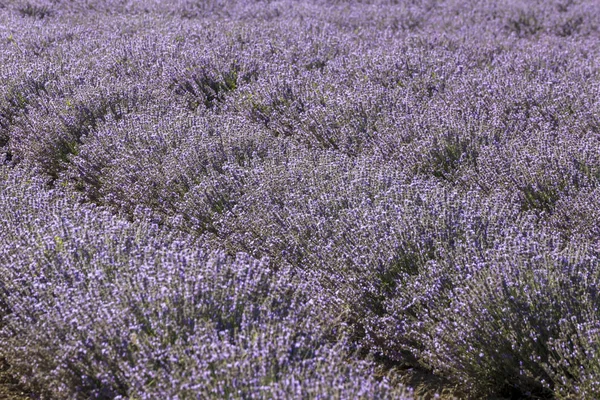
[
  {"x": 420, "y": 182},
  {"x": 94, "y": 306}
]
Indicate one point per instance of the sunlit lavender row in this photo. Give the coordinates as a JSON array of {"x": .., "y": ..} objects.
[{"x": 300, "y": 199}]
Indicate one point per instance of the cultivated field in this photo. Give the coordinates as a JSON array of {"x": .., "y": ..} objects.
[{"x": 312, "y": 199}]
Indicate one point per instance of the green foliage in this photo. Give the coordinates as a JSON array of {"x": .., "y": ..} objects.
[
  {"x": 524, "y": 24},
  {"x": 448, "y": 153},
  {"x": 203, "y": 87},
  {"x": 35, "y": 11},
  {"x": 540, "y": 197}
]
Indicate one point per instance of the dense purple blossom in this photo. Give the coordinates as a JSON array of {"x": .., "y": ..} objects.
[
  {"x": 97, "y": 307},
  {"x": 300, "y": 199}
]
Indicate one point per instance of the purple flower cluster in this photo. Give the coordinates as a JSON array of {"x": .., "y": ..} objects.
[
  {"x": 97, "y": 307},
  {"x": 300, "y": 199}
]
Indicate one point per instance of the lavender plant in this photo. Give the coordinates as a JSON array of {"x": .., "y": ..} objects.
[
  {"x": 115, "y": 309},
  {"x": 300, "y": 199}
]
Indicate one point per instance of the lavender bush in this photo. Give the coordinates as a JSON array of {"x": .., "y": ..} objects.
[
  {"x": 300, "y": 199},
  {"x": 112, "y": 309}
]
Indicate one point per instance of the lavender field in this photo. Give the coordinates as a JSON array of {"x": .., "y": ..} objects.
[{"x": 312, "y": 199}]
